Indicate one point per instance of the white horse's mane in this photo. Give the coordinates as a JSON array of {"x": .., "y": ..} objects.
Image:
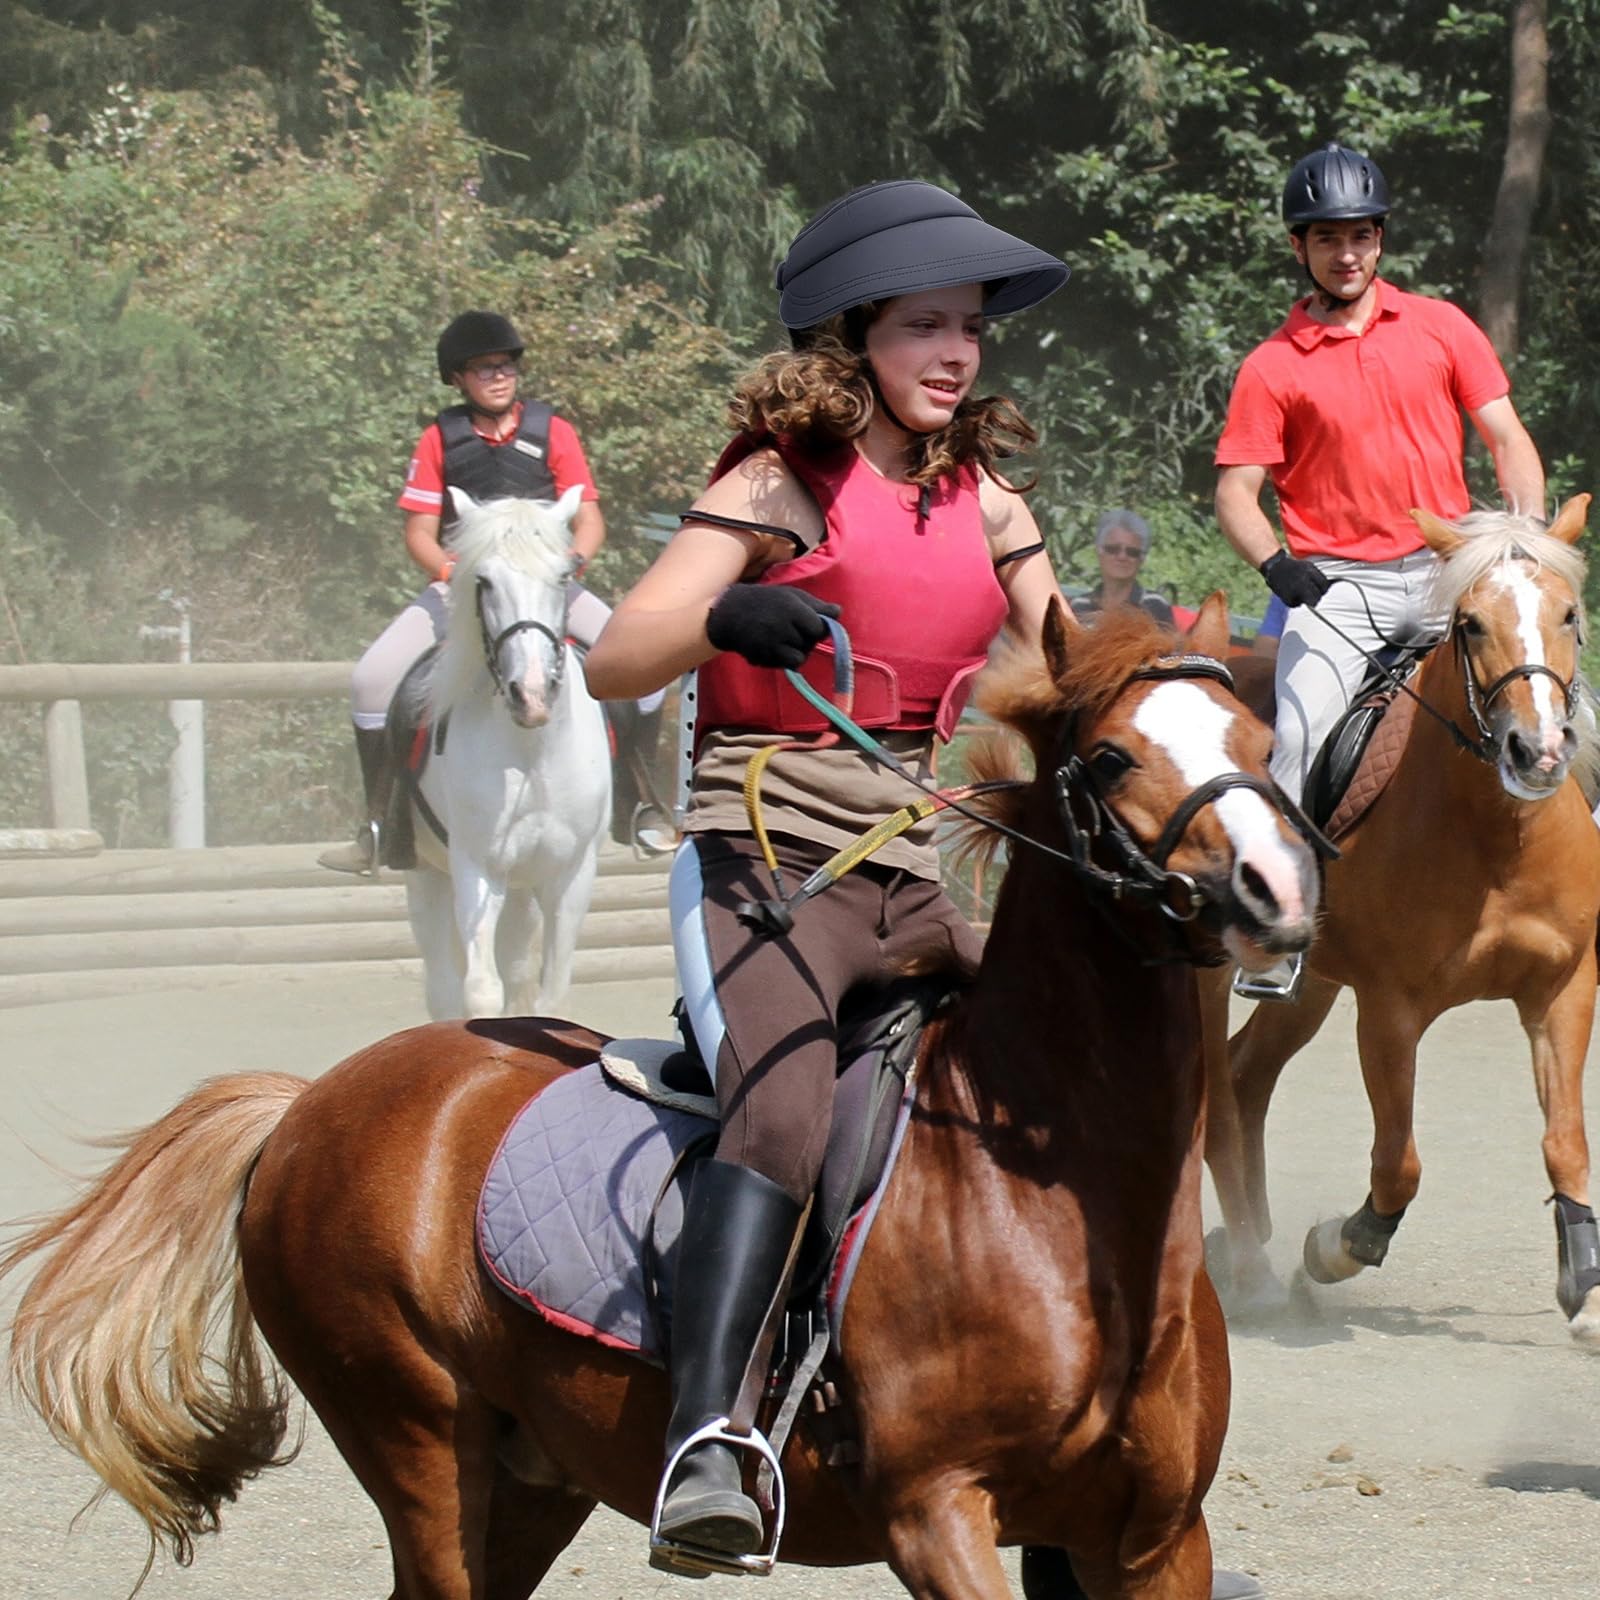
[
  {"x": 1494, "y": 539},
  {"x": 534, "y": 537}
]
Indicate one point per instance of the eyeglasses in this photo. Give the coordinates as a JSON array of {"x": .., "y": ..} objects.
[
  {"x": 501, "y": 369},
  {"x": 1124, "y": 550}
]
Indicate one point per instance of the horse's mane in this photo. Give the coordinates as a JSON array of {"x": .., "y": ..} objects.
[
  {"x": 1019, "y": 692},
  {"x": 526, "y": 533},
  {"x": 1493, "y": 539}
]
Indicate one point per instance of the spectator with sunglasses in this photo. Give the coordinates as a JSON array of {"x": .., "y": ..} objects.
[{"x": 1121, "y": 541}]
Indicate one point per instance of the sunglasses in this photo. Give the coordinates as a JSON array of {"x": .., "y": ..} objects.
[{"x": 1123, "y": 549}]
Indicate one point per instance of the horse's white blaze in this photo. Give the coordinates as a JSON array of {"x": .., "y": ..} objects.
[
  {"x": 1528, "y": 598},
  {"x": 1193, "y": 730}
]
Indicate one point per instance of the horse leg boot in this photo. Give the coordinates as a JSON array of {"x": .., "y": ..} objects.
[
  {"x": 363, "y": 853},
  {"x": 734, "y": 1257}
]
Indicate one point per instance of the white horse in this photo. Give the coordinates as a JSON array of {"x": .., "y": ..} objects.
[{"x": 522, "y": 785}]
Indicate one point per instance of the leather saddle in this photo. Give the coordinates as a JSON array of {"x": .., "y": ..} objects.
[{"x": 1359, "y": 756}]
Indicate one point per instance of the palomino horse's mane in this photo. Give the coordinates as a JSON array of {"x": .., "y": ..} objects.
[
  {"x": 532, "y": 538},
  {"x": 1019, "y": 692},
  {"x": 1494, "y": 539}
]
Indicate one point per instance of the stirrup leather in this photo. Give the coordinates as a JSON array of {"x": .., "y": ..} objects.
[{"x": 693, "y": 1560}]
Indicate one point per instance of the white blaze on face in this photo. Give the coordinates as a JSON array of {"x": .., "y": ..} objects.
[
  {"x": 1193, "y": 730},
  {"x": 1528, "y": 598}
]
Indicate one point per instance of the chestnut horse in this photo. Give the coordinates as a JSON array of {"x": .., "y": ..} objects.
[
  {"x": 1475, "y": 875},
  {"x": 1032, "y": 1349}
]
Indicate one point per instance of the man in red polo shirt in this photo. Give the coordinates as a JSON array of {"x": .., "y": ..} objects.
[{"x": 1354, "y": 409}]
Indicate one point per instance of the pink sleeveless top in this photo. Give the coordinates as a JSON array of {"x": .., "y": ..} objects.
[{"x": 918, "y": 596}]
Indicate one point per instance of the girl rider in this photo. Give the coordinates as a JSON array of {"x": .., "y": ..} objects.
[{"x": 863, "y": 484}]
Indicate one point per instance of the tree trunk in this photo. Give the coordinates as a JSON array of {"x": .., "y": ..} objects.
[{"x": 1527, "y": 134}]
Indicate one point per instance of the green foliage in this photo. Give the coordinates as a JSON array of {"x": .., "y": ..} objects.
[
  {"x": 217, "y": 354},
  {"x": 228, "y": 237}
]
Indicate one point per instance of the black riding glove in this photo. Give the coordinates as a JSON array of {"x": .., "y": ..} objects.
[
  {"x": 770, "y": 625},
  {"x": 1295, "y": 582}
]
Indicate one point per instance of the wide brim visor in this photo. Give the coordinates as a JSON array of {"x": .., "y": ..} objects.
[{"x": 930, "y": 253}]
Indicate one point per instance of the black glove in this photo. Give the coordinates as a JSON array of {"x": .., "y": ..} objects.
[
  {"x": 1295, "y": 582},
  {"x": 770, "y": 625}
]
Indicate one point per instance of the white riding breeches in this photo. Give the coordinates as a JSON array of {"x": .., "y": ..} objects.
[
  {"x": 1372, "y": 602},
  {"x": 389, "y": 657}
]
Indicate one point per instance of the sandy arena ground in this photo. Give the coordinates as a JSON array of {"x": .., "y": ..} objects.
[{"x": 1426, "y": 1431}]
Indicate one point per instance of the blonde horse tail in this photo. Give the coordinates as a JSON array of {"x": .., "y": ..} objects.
[{"x": 135, "y": 1341}]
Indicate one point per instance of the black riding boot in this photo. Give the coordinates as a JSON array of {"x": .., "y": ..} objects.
[
  {"x": 635, "y": 818},
  {"x": 364, "y": 853},
  {"x": 737, "y": 1231},
  {"x": 1047, "y": 1575}
]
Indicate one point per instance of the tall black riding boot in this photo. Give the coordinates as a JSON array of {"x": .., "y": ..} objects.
[
  {"x": 364, "y": 853},
  {"x": 737, "y": 1231}
]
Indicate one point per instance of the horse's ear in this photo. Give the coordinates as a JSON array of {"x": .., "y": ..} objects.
[
  {"x": 1441, "y": 537},
  {"x": 1571, "y": 520},
  {"x": 567, "y": 505},
  {"x": 460, "y": 501},
  {"x": 1208, "y": 636},
  {"x": 1059, "y": 627}
]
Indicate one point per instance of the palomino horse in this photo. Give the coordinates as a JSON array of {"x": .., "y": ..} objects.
[
  {"x": 521, "y": 788},
  {"x": 1032, "y": 1349},
  {"x": 1475, "y": 875}
]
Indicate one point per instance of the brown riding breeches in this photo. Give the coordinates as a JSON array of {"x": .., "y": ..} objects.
[{"x": 764, "y": 1010}]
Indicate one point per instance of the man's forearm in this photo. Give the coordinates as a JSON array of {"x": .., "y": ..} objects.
[
  {"x": 1244, "y": 524},
  {"x": 1521, "y": 474}
]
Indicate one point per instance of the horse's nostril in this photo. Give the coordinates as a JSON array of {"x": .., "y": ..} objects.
[
  {"x": 517, "y": 695},
  {"x": 1254, "y": 887}
]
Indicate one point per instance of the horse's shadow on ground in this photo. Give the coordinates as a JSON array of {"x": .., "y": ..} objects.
[
  {"x": 1312, "y": 1318},
  {"x": 1545, "y": 1477}
]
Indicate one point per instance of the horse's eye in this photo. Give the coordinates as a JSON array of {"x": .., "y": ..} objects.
[
  {"x": 1110, "y": 764},
  {"x": 1571, "y": 618},
  {"x": 484, "y": 584},
  {"x": 1472, "y": 627}
]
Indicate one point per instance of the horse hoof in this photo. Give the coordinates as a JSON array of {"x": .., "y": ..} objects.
[
  {"x": 1585, "y": 1325},
  {"x": 1326, "y": 1256},
  {"x": 1258, "y": 1295}
]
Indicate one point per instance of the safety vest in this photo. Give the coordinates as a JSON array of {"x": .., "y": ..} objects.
[
  {"x": 918, "y": 597},
  {"x": 517, "y": 468}
]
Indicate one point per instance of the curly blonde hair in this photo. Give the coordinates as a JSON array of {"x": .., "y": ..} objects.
[{"x": 822, "y": 394}]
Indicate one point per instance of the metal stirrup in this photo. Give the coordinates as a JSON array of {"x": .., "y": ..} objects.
[{"x": 695, "y": 1560}]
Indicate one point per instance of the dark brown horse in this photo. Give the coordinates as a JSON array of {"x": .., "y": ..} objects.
[
  {"x": 1475, "y": 875},
  {"x": 1032, "y": 1349}
]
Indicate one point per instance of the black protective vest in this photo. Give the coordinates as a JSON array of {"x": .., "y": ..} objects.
[{"x": 519, "y": 469}]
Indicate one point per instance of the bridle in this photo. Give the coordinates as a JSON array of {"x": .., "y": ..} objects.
[
  {"x": 1480, "y": 700},
  {"x": 494, "y": 644},
  {"x": 1485, "y": 747},
  {"x": 1126, "y": 871},
  {"x": 1094, "y": 830}
]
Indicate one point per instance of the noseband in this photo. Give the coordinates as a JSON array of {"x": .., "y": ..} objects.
[
  {"x": 1134, "y": 873},
  {"x": 494, "y": 644},
  {"x": 1480, "y": 700}
]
